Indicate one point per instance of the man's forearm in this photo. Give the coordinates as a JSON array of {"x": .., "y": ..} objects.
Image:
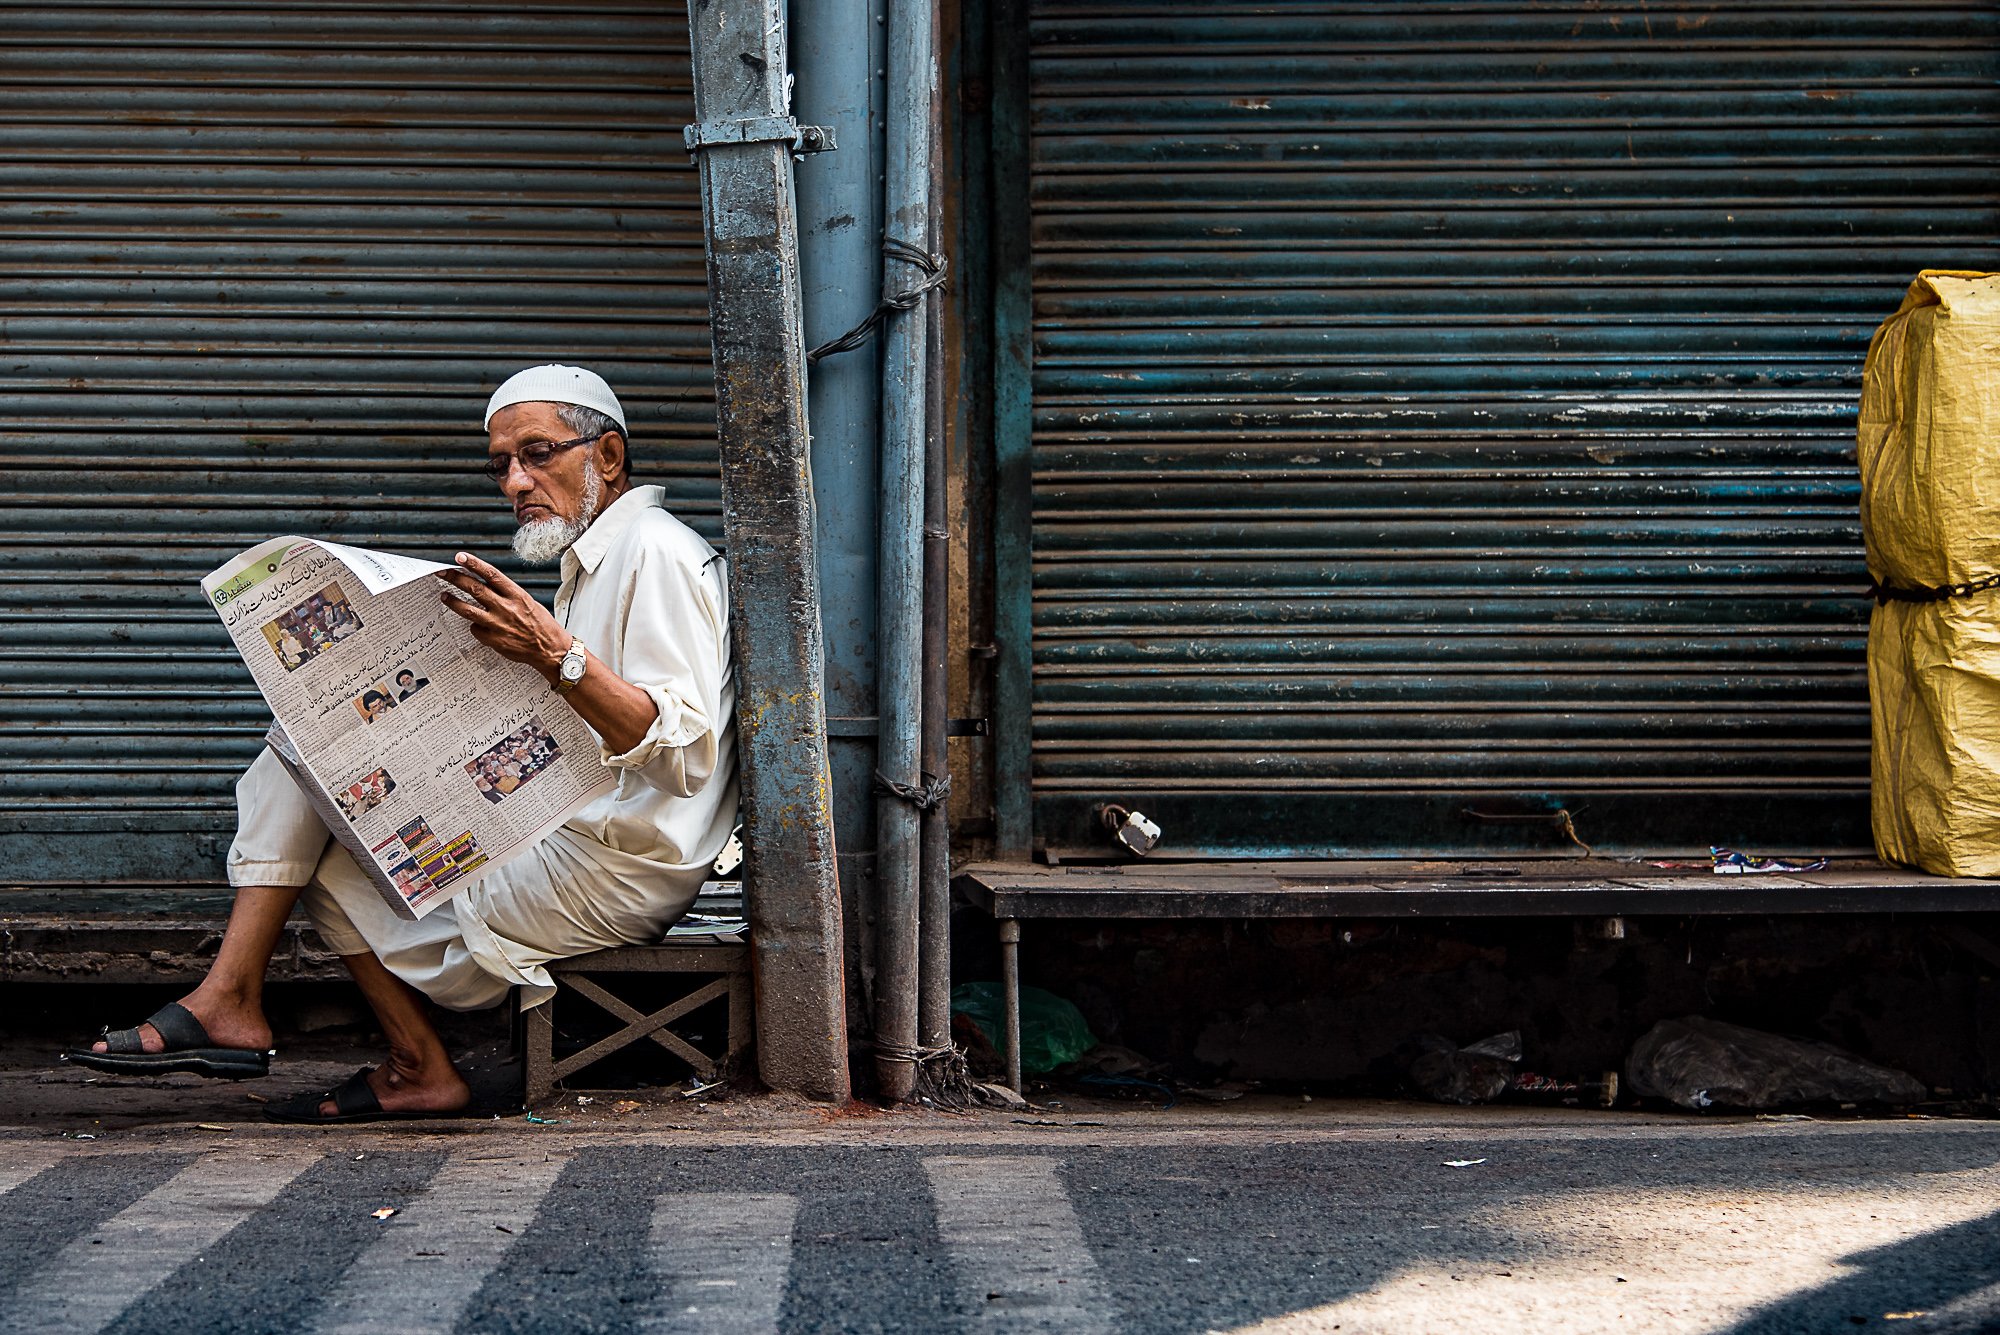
[{"x": 615, "y": 709}]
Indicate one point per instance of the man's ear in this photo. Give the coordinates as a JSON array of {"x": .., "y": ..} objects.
[{"x": 611, "y": 455}]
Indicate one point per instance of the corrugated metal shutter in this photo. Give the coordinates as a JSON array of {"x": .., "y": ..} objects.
[
  {"x": 259, "y": 266},
  {"x": 1443, "y": 411}
]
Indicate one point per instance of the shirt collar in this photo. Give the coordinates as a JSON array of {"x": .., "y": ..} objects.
[{"x": 588, "y": 551}]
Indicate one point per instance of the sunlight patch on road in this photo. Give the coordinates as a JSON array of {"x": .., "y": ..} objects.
[{"x": 1671, "y": 1261}]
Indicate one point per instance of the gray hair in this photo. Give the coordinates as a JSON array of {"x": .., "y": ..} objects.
[{"x": 590, "y": 422}]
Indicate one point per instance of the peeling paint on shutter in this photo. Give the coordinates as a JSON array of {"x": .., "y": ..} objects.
[
  {"x": 260, "y": 266},
  {"x": 1442, "y": 412}
]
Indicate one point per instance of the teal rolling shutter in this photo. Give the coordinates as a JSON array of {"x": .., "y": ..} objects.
[
  {"x": 1443, "y": 412},
  {"x": 259, "y": 268}
]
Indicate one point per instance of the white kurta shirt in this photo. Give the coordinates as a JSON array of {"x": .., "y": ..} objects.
[{"x": 649, "y": 597}]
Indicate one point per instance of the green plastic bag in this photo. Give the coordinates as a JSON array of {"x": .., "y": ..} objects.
[{"x": 1052, "y": 1030}]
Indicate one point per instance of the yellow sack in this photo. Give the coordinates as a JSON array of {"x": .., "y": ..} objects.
[{"x": 1930, "y": 511}]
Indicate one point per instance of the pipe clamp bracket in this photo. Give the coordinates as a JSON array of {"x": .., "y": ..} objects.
[{"x": 759, "y": 130}]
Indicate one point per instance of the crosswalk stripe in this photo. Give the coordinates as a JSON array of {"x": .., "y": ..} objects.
[
  {"x": 430, "y": 1260},
  {"x": 1009, "y": 1227},
  {"x": 88, "y": 1283},
  {"x": 18, "y": 1163},
  {"x": 722, "y": 1259}
]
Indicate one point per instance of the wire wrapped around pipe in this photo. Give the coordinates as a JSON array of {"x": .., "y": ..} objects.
[
  {"x": 930, "y": 793},
  {"x": 942, "y": 1075},
  {"x": 935, "y": 268}
]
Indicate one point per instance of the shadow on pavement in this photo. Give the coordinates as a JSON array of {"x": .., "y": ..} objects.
[{"x": 1936, "y": 1281}]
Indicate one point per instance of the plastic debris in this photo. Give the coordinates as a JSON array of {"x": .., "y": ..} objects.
[
  {"x": 1728, "y": 862},
  {"x": 386, "y": 1212},
  {"x": 212, "y": 1126},
  {"x": 1476, "y": 1073},
  {"x": 1463, "y": 1163},
  {"x": 1053, "y": 1032},
  {"x": 1528, "y": 1086},
  {"x": 1701, "y": 1063},
  {"x": 534, "y": 1120}
]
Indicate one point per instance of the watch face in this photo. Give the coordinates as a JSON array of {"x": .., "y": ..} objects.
[{"x": 572, "y": 669}]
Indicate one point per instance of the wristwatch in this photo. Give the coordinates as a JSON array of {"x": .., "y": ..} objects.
[{"x": 573, "y": 664}]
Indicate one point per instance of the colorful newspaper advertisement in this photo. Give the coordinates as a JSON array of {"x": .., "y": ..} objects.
[{"x": 433, "y": 759}]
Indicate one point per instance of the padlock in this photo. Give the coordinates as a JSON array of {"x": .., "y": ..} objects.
[
  {"x": 731, "y": 856},
  {"x": 1131, "y": 829}
]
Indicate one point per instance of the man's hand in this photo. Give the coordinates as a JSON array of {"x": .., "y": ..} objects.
[{"x": 505, "y": 617}]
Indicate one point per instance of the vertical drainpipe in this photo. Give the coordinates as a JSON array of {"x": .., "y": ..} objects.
[
  {"x": 907, "y": 218},
  {"x": 934, "y": 878},
  {"x": 837, "y": 57}
]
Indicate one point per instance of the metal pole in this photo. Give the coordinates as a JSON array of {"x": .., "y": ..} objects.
[
  {"x": 760, "y": 409},
  {"x": 912, "y": 90},
  {"x": 1010, "y": 1000},
  {"x": 934, "y": 879},
  {"x": 836, "y": 50}
]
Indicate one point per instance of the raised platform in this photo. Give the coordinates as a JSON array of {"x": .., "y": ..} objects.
[
  {"x": 1553, "y": 887},
  {"x": 135, "y": 934},
  {"x": 124, "y": 933},
  {"x": 1579, "y": 888}
]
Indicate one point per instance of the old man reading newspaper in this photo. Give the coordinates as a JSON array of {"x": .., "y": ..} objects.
[{"x": 638, "y": 645}]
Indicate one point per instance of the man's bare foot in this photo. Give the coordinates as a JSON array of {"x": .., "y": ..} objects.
[
  {"x": 404, "y": 1085},
  {"x": 230, "y": 1024}
]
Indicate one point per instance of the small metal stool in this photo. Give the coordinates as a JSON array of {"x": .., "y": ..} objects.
[{"x": 731, "y": 960}]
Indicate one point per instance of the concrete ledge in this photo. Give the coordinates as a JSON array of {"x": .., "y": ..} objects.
[
  {"x": 135, "y": 934},
  {"x": 1435, "y": 889}
]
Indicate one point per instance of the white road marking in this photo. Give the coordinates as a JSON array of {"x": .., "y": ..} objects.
[
  {"x": 722, "y": 1259},
  {"x": 1009, "y": 1227},
  {"x": 431, "y": 1258},
  {"x": 19, "y": 1162},
  {"x": 87, "y": 1284}
]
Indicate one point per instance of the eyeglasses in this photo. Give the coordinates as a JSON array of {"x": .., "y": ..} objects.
[{"x": 535, "y": 455}]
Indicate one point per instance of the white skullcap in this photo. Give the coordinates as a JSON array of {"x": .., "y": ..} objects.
[{"x": 556, "y": 384}]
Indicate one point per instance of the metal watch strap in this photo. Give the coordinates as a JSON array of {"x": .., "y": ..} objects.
[{"x": 564, "y": 681}]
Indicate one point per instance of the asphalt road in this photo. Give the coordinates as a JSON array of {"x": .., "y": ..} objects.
[{"x": 1254, "y": 1222}]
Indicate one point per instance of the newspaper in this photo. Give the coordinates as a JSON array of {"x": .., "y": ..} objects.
[{"x": 433, "y": 759}]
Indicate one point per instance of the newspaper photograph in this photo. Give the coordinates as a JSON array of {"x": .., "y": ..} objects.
[{"x": 433, "y": 759}]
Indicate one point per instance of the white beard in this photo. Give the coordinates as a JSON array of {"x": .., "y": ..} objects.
[{"x": 545, "y": 540}]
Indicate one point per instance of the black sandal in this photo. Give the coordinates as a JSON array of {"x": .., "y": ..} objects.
[
  {"x": 189, "y": 1049},
  {"x": 353, "y": 1101}
]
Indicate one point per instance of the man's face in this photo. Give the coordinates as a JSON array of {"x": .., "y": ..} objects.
[{"x": 554, "y": 491}]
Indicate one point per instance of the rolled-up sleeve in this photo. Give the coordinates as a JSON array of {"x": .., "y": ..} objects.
[{"x": 673, "y": 641}]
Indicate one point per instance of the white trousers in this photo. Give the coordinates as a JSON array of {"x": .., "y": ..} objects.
[{"x": 568, "y": 895}]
